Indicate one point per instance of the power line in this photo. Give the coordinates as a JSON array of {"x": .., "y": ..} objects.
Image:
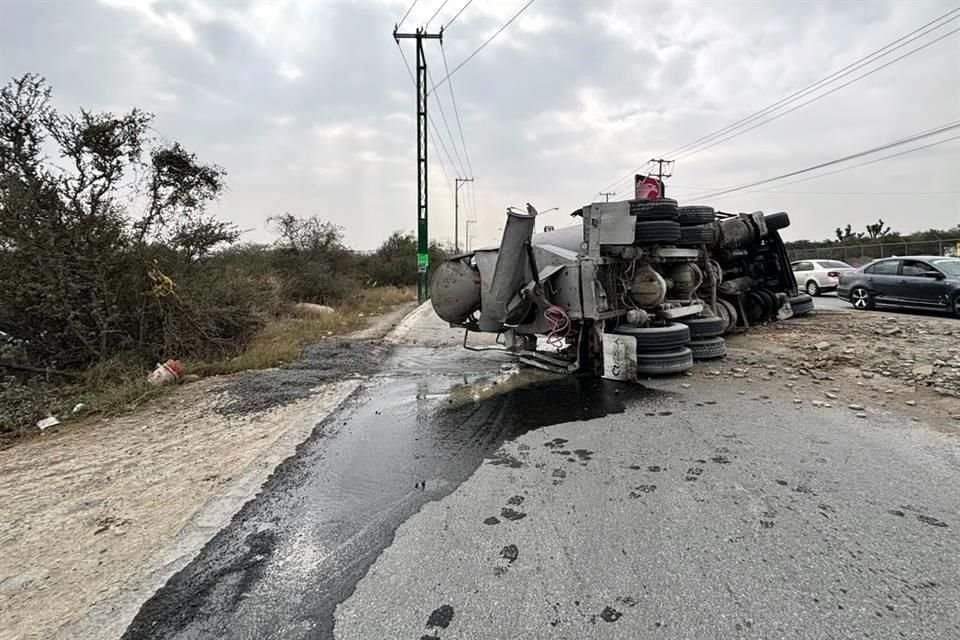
[
  {"x": 447, "y": 26},
  {"x": 879, "y": 53},
  {"x": 488, "y": 41},
  {"x": 430, "y": 120},
  {"x": 409, "y": 9},
  {"x": 904, "y": 40},
  {"x": 439, "y": 9},
  {"x": 863, "y": 164},
  {"x": 456, "y": 111},
  {"x": 814, "y": 99},
  {"x": 860, "y": 154},
  {"x": 453, "y": 141}
]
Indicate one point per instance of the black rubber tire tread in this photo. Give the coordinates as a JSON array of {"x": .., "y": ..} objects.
[
  {"x": 732, "y": 314},
  {"x": 659, "y": 209},
  {"x": 698, "y": 234},
  {"x": 657, "y": 339},
  {"x": 816, "y": 287},
  {"x": 665, "y": 363},
  {"x": 755, "y": 305},
  {"x": 708, "y": 348},
  {"x": 657, "y": 232},
  {"x": 777, "y": 221},
  {"x": 773, "y": 304},
  {"x": 696, "y": 214},
  {"x": 801, "y": 304},
  {"x": 956, "y": 305},
  {"x": 706, "y": 327}
]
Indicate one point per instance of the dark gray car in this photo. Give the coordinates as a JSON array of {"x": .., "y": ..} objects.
[{"x": 923, "y": 282}]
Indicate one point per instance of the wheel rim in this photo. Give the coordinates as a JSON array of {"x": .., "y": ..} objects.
[
  {"x": 860, "y": 297},
  {"x": 812, "y": 288}
]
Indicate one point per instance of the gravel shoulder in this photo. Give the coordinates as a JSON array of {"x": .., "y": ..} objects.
[{"x": 99, "y": 515}]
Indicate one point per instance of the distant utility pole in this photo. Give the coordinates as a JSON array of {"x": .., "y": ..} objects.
[
  {"x": 607, "y": 194},
  {"x": 456, "y": 211},
  {"x": 423, "y": 255},
  {"x": 468, "y": 223},
  {"x": 660, "y": 162}
]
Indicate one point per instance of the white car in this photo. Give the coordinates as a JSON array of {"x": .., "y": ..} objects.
[{"x": 817, "y": 276}]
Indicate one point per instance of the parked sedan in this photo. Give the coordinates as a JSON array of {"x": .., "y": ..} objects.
[
  {"x": 817, "y": 276},
  {"x": 922, "y": 282}
]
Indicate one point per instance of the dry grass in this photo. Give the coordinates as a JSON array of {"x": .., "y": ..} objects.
[
  {"x": 283, "y": 338},
  {"x": 120, "y": 385}
]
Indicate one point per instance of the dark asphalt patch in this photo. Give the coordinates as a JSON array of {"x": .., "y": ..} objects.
[{"x": 298, "y": 549}]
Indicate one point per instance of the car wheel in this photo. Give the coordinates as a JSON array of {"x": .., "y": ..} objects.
[
  {"x": 956, "y": 306},
  {"x": 656, "y": 339},
  {"x": 813, "y": 288},
  {"x": 666, "y": 363},
  {"x": 708, "y": 348},
  {"x": 861, "y": 299}
]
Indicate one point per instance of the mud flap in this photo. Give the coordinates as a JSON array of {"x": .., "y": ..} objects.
[{"x": 619, "y": 357}]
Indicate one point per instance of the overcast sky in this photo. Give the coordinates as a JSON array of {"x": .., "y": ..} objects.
[{"x": 310, "y": 109}]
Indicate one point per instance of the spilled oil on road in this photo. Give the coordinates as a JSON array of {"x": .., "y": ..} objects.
[{"x": 412, "y": 434}]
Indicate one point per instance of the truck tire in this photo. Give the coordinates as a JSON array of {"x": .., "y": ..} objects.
[
  {"x": 728, "y": 312},
  {"x": 696, "y": 214},
  {"x": 801, "y": 304},
  {"x": 773, "y": 303},
  {"x": 665, "y": 363},
  {"x": 777, "y": 221},
  {"x": 755, "y": 306},
  {"x": 708, "y": 348},
  {"x": 706, "y": 327},
  {"x": 697, "y": 235},
  {"x": 657, "y": 232},
  {"x": 657, "y": 339},
  {"x": 659, "y": 209}
]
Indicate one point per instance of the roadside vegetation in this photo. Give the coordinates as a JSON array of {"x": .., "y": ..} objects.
[
  {"x": 110, "y": 263},
  {"x": 877, "y": 240}
]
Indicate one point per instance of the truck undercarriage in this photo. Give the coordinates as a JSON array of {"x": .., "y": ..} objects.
[{"x": 638, "y": 288}]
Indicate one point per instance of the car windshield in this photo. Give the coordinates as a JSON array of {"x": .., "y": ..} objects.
[
  {"x": 834, "y": 264},
  {"x": 951, "y": 267}
]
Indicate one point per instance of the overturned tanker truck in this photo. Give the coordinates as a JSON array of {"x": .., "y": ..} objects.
[{"x": 638, "y": 288}]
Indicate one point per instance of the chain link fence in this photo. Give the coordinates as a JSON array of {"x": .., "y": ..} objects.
[{"x": 860, "y": 254}]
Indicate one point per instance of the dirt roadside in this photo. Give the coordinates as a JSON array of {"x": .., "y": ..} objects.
[
  {"x": 100, "y": 514},
  {"x": 868, "y": 363}
]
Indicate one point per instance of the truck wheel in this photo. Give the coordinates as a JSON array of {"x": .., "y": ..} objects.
[
  {"x": 657, "y": 339},
  {"x": 659, "y": 209},
  {"x": 708, "y": 348},
  {"x": 707, "y": 327},
  {"x": 729, "y": 312},
  {"x": 755, "y": 306},
  {"x": 697, "y": 235},
  {"x": 773, "y": 303},
  {"x": 657, "y": 232},
  {"x": 666, "y": 363},
  {"x": 801, "y": 304},
  {"x": 777, "y": 221},
  {"x": 696, "y": 214}
]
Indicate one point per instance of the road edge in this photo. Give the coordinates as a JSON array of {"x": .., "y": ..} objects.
[{"x": 110, "y": 617}]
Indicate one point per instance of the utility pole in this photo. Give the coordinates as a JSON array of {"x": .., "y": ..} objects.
[
  {"x": 660, "y": 162},
  {"x": 468, "y": 223},
  {"x": 423, "y": 255},
  {"x": 458, "y": 182},
  {"x": 607, "y": 194}
]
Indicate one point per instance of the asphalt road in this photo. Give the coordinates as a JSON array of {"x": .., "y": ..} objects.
[{"x": 438, "y": 505}]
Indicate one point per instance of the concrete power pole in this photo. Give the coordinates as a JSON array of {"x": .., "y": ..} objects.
[
  {"x": 456, "y": 211},
  {"x": 607, "y": 194},
  {"x": 423, "y": 255}
]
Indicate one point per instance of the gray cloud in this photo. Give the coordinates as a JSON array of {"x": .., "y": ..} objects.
[{"x": 309, "y": 107}]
